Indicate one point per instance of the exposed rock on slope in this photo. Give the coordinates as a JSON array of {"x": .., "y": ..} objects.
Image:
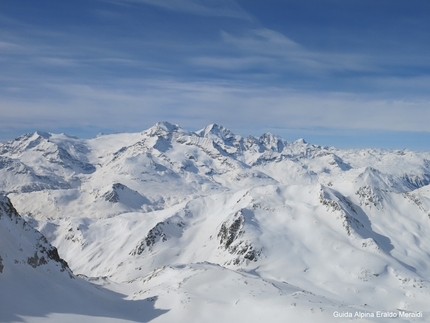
[
  {"x": 21, "y": 245},
  {"x": 232, "y": 238}
]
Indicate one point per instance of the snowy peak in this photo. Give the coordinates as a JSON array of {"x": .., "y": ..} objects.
[
  {"x": 374, "y": 178},
  {"x": 216, "y": 131},
  {"x": 300, "y": 141},
  {"x": 223, "y": 140},
  {"x": 24, "y": 142},
  {"x": 163, "y": 129},
  {"x": 272, "y": 142},
  {"x": 120, "y": 193},
  {"x": 41, "y": 161}
]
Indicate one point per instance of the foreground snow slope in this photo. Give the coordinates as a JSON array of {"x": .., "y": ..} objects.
[
  {"x": 210, "y": 225},
  {"x": 38, "y": 286}
]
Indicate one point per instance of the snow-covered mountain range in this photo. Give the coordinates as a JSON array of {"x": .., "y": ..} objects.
[{"x": 210, "y": 226}]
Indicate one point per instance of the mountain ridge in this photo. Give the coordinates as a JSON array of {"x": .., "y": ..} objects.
[{"x": 319, "y": 225}]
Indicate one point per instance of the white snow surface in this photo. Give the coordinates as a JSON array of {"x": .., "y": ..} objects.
[{"x": 169, "y": 225}]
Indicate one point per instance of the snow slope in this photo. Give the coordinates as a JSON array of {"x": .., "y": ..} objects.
[
  {"x": 38, "y": 286},
  {"x": 211, "y": 226}
]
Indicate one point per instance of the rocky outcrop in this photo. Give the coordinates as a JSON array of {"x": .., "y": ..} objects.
[
  {"x": 112, "y": 195},
  {"x": 120, "y": 193},
  {"x": 231, "y": 238},
  {"x": 369, "y": 197},
  {"x": 161, "y": 232},
  {"x": 342, "y": 206},
  {"x": 22, "y": 243}
]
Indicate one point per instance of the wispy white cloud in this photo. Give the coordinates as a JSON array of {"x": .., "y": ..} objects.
[
  {"x": 6, "y": 46},
  {"x": 220, "y": 8},
  {"x": 278, "y": 51},
  {"x": 415, "y": 86},
  {"x": 250, "y": 109},
  {"x": 274, "y": 42}
]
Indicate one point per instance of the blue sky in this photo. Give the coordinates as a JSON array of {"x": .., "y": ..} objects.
[{"x": 350, "y": 73}]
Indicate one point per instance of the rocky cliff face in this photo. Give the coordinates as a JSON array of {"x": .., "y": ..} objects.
[{"x": 23, "y": 246}]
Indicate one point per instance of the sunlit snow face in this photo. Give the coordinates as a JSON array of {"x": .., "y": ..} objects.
[{"x": 252, "y": 227}]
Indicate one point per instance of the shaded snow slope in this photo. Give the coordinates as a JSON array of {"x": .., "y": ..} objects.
[
  {"x": 36, "y": 285},
  {"x": 22, "y": 246}
]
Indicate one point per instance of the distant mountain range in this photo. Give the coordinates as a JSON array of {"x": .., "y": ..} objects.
[{"x": 210, "y": 226}]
